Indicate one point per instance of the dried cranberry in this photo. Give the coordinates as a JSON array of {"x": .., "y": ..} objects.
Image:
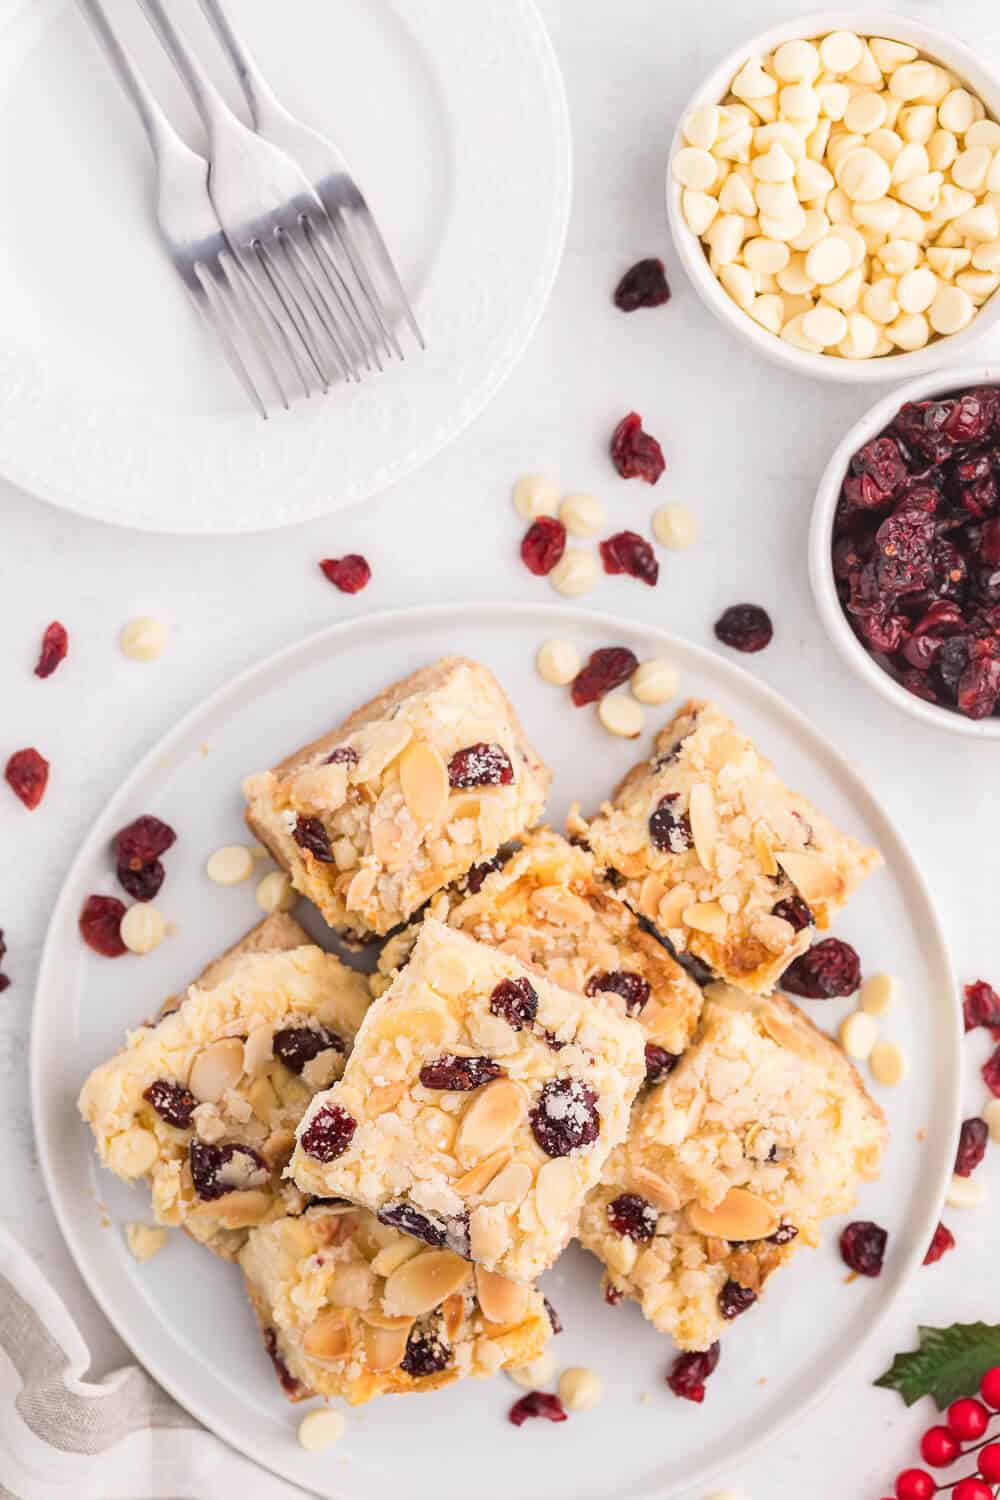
[
  {"x": 882, "y": 460},
  {"x": 613, "y": 1295},
  {"x": 172, "y": 1103},
  {"x": 881, "y": 631},
  {"x": 670, "y": 831},
  {"x": 478, "y": 873},
  {"x": 981, "y": 1006},
  {"x": 606, "y": 669},
  {"x": 903, "y": 552},
  {"x": 566, "y": 1117},
  {"x": 659, "y": 1062},
  {"x": 942, "y": 1242},
  {"x": 971, "y": 1146},
  {"x": 633, "y": 989},
  {"x": 632, "y": 1217},
  {"x": 628, "y": 552},
  {"x": 310, "y": 835},
  {"x": 689, "y": 1372},
  {"x": 142, "y": 841},
  {"x": 824, "y": 971},
  {"x": 555, "y": 1321},
  {"x": 329, "y": 1133},
  {"x": 989, "y": 544},
  {"x": 861, "y": 492},
  {"x": 991, "y": 1073},
  {"x": 951, "y": 662},
  {"x": 735, "y": 1299},
  {"x": 297, "y": 1045},
  {"x": 287, "y": 1380},
  {"x": 142, "y": 884},
  {"x": 542, "y": 545},
  {"x": 783, "y": 1235},
  {"x": 969, "y": 418},
  {"x": 100, "y": 925},
  {"x": 426, "y": 1354},
  {"x": 344, "y": 755},
  {"x": 643, "y": 285},
  {"x": 516, "y": 1002},
  {"x": 794, "y": 910},
  {"x": 27, "y": 776},
  {"x": 536, "y": 1404},
  {"x": 208, "y": 1162},
  {"x": 979, "y": 686},
  {"x": 862, "y": 1247},
  {"x": 349, "y": 574},
  {"x": 459, "y": 1073},
  {"x": 480, "y": 765},
  {"x": 634, "y": 453},
  {"x": 915, "y": 681},
  {"x": 429, "y": 1228},
  {"x": 55, "y": 644},
  {"x": 745, "y": 627}
]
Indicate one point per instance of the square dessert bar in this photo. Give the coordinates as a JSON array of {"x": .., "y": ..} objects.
[
  {"x": 353, "y": 1308},
  {"x": 410, "y": 792},
  {"x": 203, "y": 1102},
  {"x": 547, "y": 907},
  {"x": 713, "y": 849},
  {"x": 763, "y": 1130},
  {"x": 478, "y": 1106}
]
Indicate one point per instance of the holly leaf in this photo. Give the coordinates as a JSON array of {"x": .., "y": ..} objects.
[{"x": 949, "y": 1362}]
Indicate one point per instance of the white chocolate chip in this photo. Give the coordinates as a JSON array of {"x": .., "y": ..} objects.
[
  {"x": 701, "y": 128},
  {"x": 275, "y": 892},
  {"x": 909, "y": 331},
  {"x": 142, "y": 928},
  {"x": 752, "y": 83},
  {"x": 535, "y": 1374},
  {"x": 951, "y": 310},
  {"x": 957, "y": 111},
  {"x": 915, "y": 290},
  {"x": 797, "y": 62},
  {"x": 965, "y": 1192},
  {"x": 841, "y": 51},
  {"x": 828, "y": 260},
  {"x": 535, "y": 496},
  {"x": 866, "y": 112},
  {"x": 143, "y": 639},
  {"x": 144, "y": 1240},
  {"x": 695, "y": 168},
  {"x": 878, "y": 994},
  {"x": 889, "y": 55},
  {"x": 621, "y": 715},
  {"x": 321, "y": 1429},
  {"x": 575, "y": 573},
  {"x": 580, "y": 1388},
  {"x": 654, "y": 681},
  {"x": 739, "y": 283},
  {"x": 581, "y": 515},
  {"x": 557, "y": 662},
  {"x": 864, "y": 175},
  {"x": 699, "y": 209},
  {"x": 675, "y": 526},
  {"x": 991, "y": 1114},
  {"x": 858, "y": 1034},
  {"x": 824, "y": 326},
  {"x": 888, "y": 1064},
  {"x": 230, "y": 865}
]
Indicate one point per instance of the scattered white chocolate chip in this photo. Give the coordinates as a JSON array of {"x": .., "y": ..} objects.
[
  {"x": 878, "y": 993},
  {"x": 144, "y": 1240},
  {"x": 654, "y": 681},
  {"x": 888, "y": 1064},
  {"x": 674, "y": 525},
  {"x": 557, "y": 662},
  {"x": 534, "y": 1375},
  {"x": 535, "y": 496},
  {"x": 858, "y": 1034},
  {"x": 321, "y": 1429},
  {"x": 230, "y": 865},
  {"x": 275, "y": 892},
  {"x": 621, "y": 715},
  {"x": 991, "y": 1114},
  {"x": 965, "y": 1192},
  {"x": 143, "y": 639},
  {"x": 580, "y": 1388},
  {"x": 142, "y": 928},
  {"x": 581, "y": 515},
  {"x": 575, "y": 573}
]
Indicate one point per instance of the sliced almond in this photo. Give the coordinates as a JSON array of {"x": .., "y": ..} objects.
[
  {"x": 740, "y": 1216},
  {"x": 563, "y": 908},
  {"x": 216, "y": 1069},
  {"x": 556, "y": 1191},
  {"x": 423, "y": 777},
  {"x": 766, "y": 861},
  {"x": 744, "y": 1268},
  {"x": 360, "y": 888},
  {"x": 424, "y": 1282},
  {"x": 377, "y": 1319},
  {"x": 653, "y": 890},
  {"x": 705, "y": 916},
  {"x": 234, "y": 1210},
  {"x": 391, "y": 1257},
  {"x": 417, "y": 1023},
  {"x": 512, "y": 1185},
  {"x": 381, "y": 1100},
  {"x": 385, "y": 1348},
  {"x": 670, "y": 912},
  {"x": 502, "y": 1300},
  {"x": 278, "y": 1147},
  {"x": 774, "y": 932},
  {"x": 477, "y": 1178},
  {"x": 380, "y": 745},
  {"x": 453, "y": 1313},
  {"x": 329, "y": 1335},
  {"x": 258, "y": 1050},
  {"x": 490, "y": 1120},
  {"x": 655, "y": 1190},
  {"x": 704, "y": 823},
  {"x": 813, "y": 877},
  {"x": 387, "y": 836},
  {"x": 320, "y": 789},
  {"x": 794, "y": 1039},
  {"x": 716, "y": 1250}
]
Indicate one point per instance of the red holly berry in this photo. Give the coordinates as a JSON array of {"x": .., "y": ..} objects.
[
  {"x": 990, "y": 1388},
  {"x": 939, "y": 1447},
  {"x": 968, "y": 1419},
  {"x": 989, "y": 1462},
  {"x": 972, "y": 1489},
  {"x": 914, "y": 1484}
]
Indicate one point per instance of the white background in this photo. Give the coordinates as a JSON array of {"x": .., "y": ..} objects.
[{"x": 745, "y": 445}]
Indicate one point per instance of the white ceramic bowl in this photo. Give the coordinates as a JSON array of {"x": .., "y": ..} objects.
[
  {"x": 939, "y": 384},
  {"x": 969, "y": 69}
]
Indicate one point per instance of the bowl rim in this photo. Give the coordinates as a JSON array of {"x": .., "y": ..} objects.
[
  {"x": 952, "y": 53},
  {"x": 932, "y": 383}
]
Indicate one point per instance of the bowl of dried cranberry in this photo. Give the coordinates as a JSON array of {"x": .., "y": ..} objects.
[{"x": 904, "y": 550}]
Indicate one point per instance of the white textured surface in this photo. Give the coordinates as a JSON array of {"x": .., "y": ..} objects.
[{"x": 745, "y": 445}]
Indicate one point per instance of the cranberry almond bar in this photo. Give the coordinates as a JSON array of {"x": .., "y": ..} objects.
[
  {"x": 203, "y": 1103},
  {"x": 763, "y": 1130},
  {"x": 478, "y": 1106},
  {"x": 351, "y": 1307},
  {"x": 410, "y": 792},
  {"x": 714, "y": 850}
]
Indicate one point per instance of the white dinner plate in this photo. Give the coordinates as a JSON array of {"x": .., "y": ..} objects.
[
  {"x": 115, "y": 402},
  {"x": 184, "y": 1313}
]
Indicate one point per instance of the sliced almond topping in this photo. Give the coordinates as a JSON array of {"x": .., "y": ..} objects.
[
  {"x": 258, "y": 1049},
  {"x": 391, "y": 1257},
  {"x": 793, "y": 1038},
  {"x": 329, "y": 1335},
  {"x": 652, "y": 891},
  {"x": 704, "y": 823},
  {"x": 479, "y": 1177},
  {"x": 278, "y": 1147},
  {"x": 745, "y": 1268},
  {"x": 674, "y": 904},
  {"x": 425, "y": 1281},
  {"x": 378, "y": 1319},
  {"x": 813, "y": 877},
  {"x": 765, "y": 854},
  {"x": 216, "y": 1069},
  {"x": 561, "y": 907},
  {"x": 387, "y": 836},
  {"x": 385, "y": 1347},
  {"x": 360, "y": 888},
  {"x": 501, "y": 1300},
  {"x": 740, "y": 1216},
  {"x": 655, "y": 1190},
  {"x": 774, "y": 932},
  {"x": 381, "y": 1100},
  {"x": 705, "y": 916},
  {"x": 453, "y": 1313},
  {"x": 379, "y": 746},
  {"x": 234, "y": 1210},
  {"x": 716, "y": 1250},
  {"x": 490, "y": 1120},
  {"x": 423, "y": 777},
  {"x": 556, "y": 1190},
  {"x": 512, "y": 1185},
  {"x": 320, "y": 789}
]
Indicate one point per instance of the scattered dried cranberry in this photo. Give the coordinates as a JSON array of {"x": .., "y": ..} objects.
[
  {"x": 329, "y": 1133},
  {"x": 172, "y": 1103},
  {"x": 643, "y": 285},
  {"x": 634, "y": 453},
  {"x": 480, "y": 765},
  {"x": 826, "y": 970},
  {"x": 404, "y": 1216},
  {"x": 613, "y": 1295},
  {"x": 783, "y": 1235},
  {"x": 659, "y": 1062},
  {"x": 862, "y": 1247},
  {"x": 555, "y": 1321},
  {"x": 632, "y": 1217},
  {"x": 478, "y": 873},
  {"x": 744, "y": 627},
  {"x": 942, "y": 1242},
  {"x": 310, "y": 835},
  {"x": 628, "y": 552},
  {"x": 297, "y": 1045},
  {"x": 287, "y": 1380},
  {"x": 142, "y": 841},
  {"x": 991, "y": 1073},
  {"x": 349, "y": 574},
  {"x": 689, "y": 1372},
  {"x": 459, "y": 1073},
  {"x": 536, "y": 1404},
  {"x": 971, "y": 1146},
  {"x": 100, "y": 925},
  {"x": 794, "y": 910},
  {"x": 426, "y": 1354},
  {"x": 669, "y": 831},
  {"x": 55, "y": 644},
  {"x": 27, "y": 776},
  {"x": 516, "y": 1001},
  {"x": 142, "y": 884},
  {"x": 633, "y": 989},
  {"x": 735, "y": 1299},
  {"x": 207, "y": 1163},
  {"x": 344, "y": 755},
  {"x": 607, "y": 668},
  {"x": 981, "y": 1006},
  {"x": 566, "y": 1117},
  {"x": 542, "y": 545}
]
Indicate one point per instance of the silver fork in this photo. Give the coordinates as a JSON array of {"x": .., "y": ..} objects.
[
  {"x": 274, "y": 222},
  {"x": 190, "y": 230},
  {"x": 327, "y": 171}
]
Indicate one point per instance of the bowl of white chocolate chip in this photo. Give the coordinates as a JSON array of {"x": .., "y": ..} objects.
[{"x": 833, "y": 192}]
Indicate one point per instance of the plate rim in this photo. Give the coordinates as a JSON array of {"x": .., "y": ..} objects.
[{"x": 570, "y": 616}]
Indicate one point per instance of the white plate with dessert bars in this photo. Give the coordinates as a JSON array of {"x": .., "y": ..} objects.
[{"x": 478, "y": 1123}]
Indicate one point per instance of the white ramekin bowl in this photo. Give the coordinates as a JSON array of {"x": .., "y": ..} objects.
[
  {"x": 940, "y": 383},
  {"x": 968, "y": 69}
]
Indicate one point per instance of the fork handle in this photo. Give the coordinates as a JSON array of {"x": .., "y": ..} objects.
[
  {"x": 259, "y": 95},
  {"x": 209, "y": 102},
  {"x": 158, "y": 129}
]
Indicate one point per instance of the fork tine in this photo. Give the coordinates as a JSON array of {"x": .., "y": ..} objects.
[
  {"x": 334, "y": 280},
  {"x": 341, "y": 228},
  {"x": 387, "y": 266},
  {"x": 268, "y": 319},
  {"x": 285, "y": 294},
  {"x": 216, "y": 316},
  {"x": 326, "y": 315},
  {"x": 232, "y": 284}
]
